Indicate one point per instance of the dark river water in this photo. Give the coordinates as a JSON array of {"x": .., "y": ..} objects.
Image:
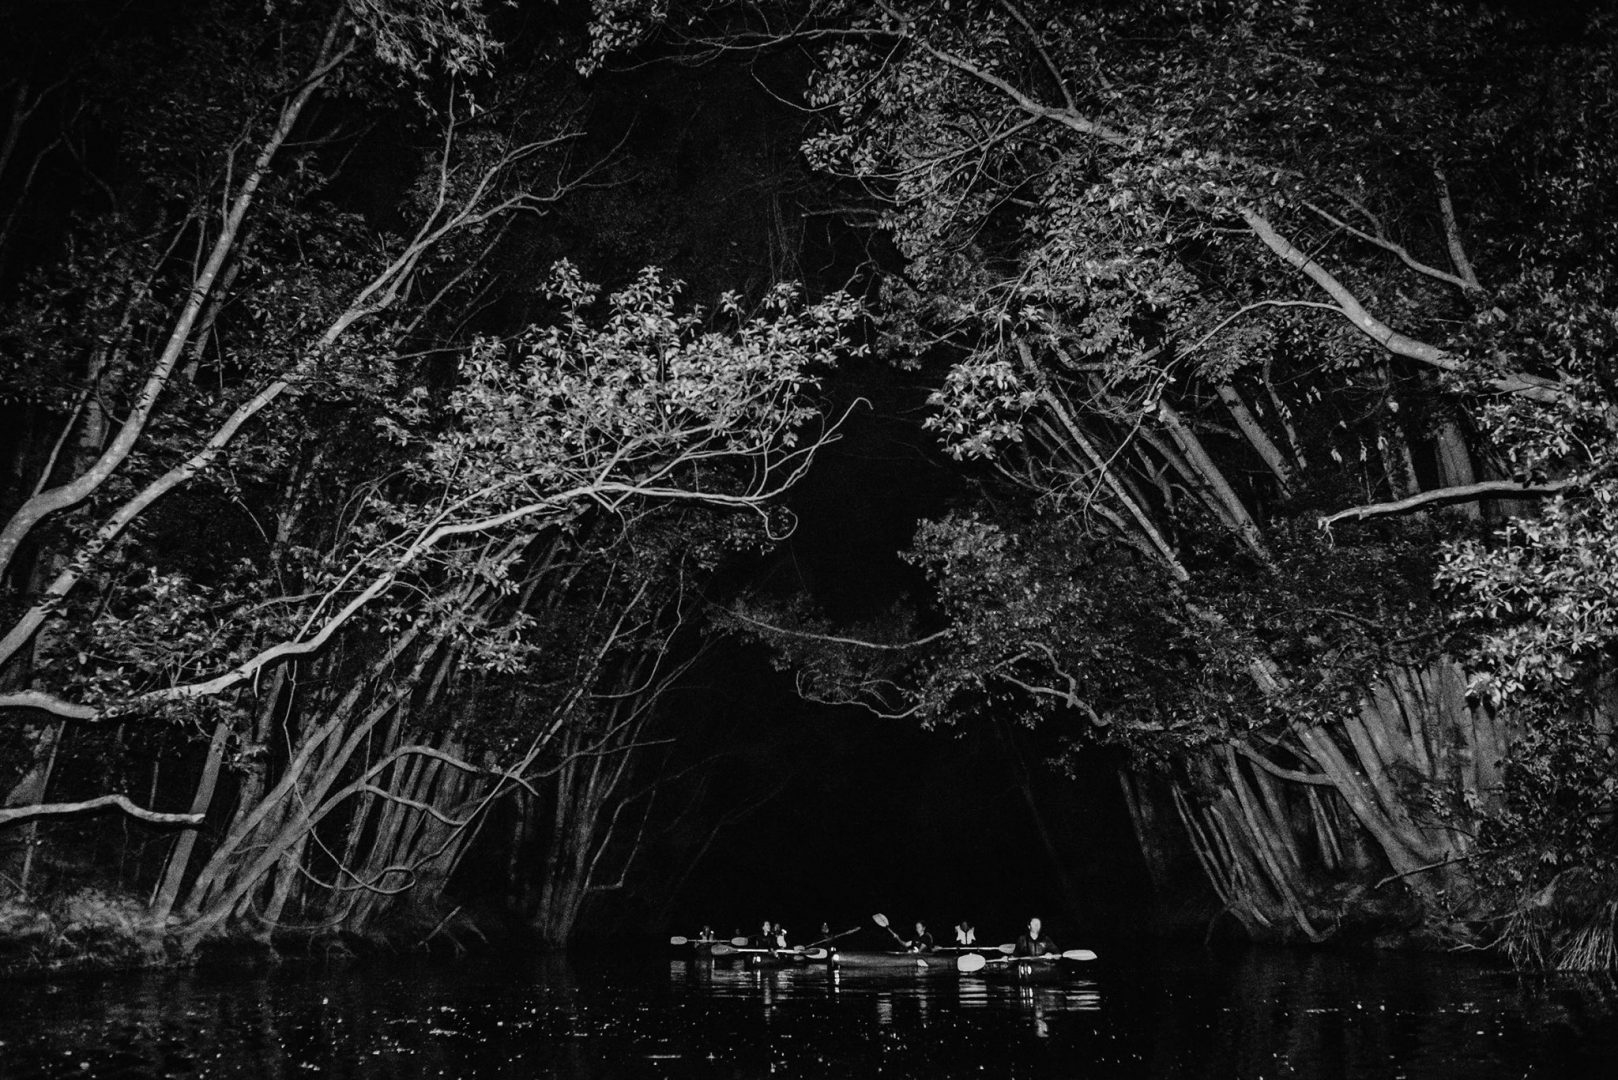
[{"x": 1171, "y": 1014}]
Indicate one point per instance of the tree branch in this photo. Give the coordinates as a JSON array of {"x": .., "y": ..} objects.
[
  {"x": 1529, "y": 386},
  {"x": 835, "y": 639},
  {"x": 23, "y": 813},
  {"x": 1452, "y": 233},
  {"x": 1486, "y": 489},
  {"x": 1318, "y": 779},
  {"x": 1398, "y": 249}
]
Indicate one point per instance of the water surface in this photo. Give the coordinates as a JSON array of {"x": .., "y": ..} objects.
[{"x": 1173, "y": 1014}]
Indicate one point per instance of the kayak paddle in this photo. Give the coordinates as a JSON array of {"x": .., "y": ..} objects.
[
  {"x": 834, "y": 937},
  {"x": 723, "y": 949},
  {"x": 975, "y": 961},
  {"x": 882, "y": 921}
]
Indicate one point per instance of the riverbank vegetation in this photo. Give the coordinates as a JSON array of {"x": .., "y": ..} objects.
[
  {"x": 317, "y": 557},
  {"x": 357, "y": 545},
  {"x": 1281, "y": 339}
]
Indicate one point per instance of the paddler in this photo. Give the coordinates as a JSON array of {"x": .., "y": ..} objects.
[
  {"x": 1034, "y": 941},
  {"x": 923, "y": 941},
  {"x": 965, "y": 934}
]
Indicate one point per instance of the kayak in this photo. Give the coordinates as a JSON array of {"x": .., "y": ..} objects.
[{"x": 897, "y": 961}]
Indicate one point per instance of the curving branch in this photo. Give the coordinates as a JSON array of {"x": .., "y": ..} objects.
[
  {"x": 54, "y": 500},
  {"x": 1533, "y": 387},
  {"x": 1486, "y": 489},
  {"x": 1318, "y": 779},
  {"x": 1396, "y": 248},
  {"x": 1067, "y": 117},
  {"x": 36, "y": 810},
  {"x": 836, "y": 639}
]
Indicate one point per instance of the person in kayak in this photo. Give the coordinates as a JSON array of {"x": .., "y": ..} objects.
[
  {"x": 1035, "y": 942},
  {"x": 767, "y": 937},
  {"x": 923, "y": 941},
  {"x": 965, "y": 934}
]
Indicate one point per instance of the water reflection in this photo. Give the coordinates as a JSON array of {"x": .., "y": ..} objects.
[
  {"x": 898, "y": 998},
  {"x": 603, "y": 1018}
]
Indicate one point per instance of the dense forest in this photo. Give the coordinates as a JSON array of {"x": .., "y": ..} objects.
[{"x": 404, "y": 402}]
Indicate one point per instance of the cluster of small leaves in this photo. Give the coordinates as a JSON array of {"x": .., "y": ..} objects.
[
  {"x": 1547, "y": 321},
  {"x": 617, "y": 26},
  {"x": 1541, "y": 597},
  {"x": 427, "y": 37},
  {"x": 647, "y": 390},
  {"x": 1047, "y": 624},
  {"x": 1559, "y": 788},
  {"x": 980, "y": 407},
  {"x": 1331, "y": 615},
  {"x": 149, "y": 629}
]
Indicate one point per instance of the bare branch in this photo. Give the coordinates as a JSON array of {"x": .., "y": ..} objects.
[
  {"x": 1529, "y": 386},
  {"x": 1487, "y": 489},
  {"x": 1398, "y": 249},
  {"x": 1452, "y": 232},
  {"x": 836, "y": 639},
  {"x": 24, "y": 813},
  {"x": 1318, "y": 779},
  {"x": 46, "y": 702},
  {"x": 1044, "y": 54}
]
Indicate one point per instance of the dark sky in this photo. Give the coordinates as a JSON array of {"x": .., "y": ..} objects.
[
  {"x": 879, "y": 815},
  {"x": 876, "y": 815}
]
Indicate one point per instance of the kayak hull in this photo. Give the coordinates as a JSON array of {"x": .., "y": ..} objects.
[
  {"x": 1029, "y": 965},
  {"x": 895, "y": 961}
]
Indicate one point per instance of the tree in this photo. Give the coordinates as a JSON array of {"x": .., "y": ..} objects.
[
  {"x": 287, "y": 510},
  {"x": 1205, "y": 284}
]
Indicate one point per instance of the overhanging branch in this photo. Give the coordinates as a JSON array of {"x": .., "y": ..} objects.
[
  {"x": 1487, "y": 489},
  {"x": 835, "y": 639}
]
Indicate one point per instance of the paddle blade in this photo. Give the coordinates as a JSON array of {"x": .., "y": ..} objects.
[
  {"x": 1005, "y": 950},
  {"x": 739, "y": 942},
  {"x": 970, "y": 962},
  {"x": 721, "y": 949},
  {"x": 1078, "y": 954},
  {"x": 678, "y": 940},
  {"x": 880, "y": 919},
  {"x": 815, "y": 954}
]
